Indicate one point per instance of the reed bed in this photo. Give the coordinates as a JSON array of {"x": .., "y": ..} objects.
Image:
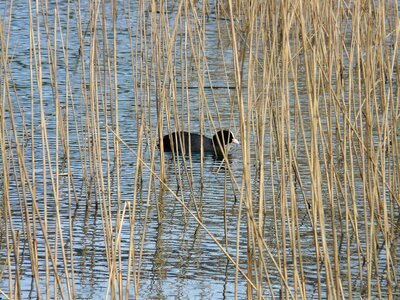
[{"x": 311, "y": 88}]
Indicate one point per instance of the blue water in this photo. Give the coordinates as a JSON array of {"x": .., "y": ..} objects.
[{"x": 179, "y": 259}]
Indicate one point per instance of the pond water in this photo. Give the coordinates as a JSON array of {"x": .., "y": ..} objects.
[{"x": 178, "y": 257}]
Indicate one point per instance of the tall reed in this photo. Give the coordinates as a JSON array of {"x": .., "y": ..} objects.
[{"x": 313, "y": 92}]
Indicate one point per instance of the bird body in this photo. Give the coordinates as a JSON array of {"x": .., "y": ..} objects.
[{"x": 185, "y": 142}]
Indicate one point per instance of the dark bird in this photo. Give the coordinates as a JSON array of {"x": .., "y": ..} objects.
[{"x": 184, "y": 142}]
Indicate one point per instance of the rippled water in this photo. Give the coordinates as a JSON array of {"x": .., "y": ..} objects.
[{"x": 180, "y": 260}]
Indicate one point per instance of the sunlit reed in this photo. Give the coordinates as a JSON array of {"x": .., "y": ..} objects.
[{"x": 313, "y": 91}]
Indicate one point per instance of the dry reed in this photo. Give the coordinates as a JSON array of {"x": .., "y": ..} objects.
[{"x": 313, "y": 92}]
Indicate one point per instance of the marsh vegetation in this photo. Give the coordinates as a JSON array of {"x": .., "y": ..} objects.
[{"x": 306, "y": 207}]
